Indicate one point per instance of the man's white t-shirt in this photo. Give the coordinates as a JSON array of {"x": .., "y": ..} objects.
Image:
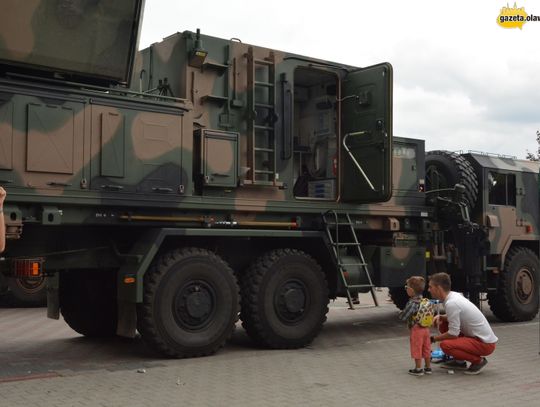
[{"x": 465, "y": 318}]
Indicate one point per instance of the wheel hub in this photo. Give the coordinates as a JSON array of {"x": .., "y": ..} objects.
[
  {"x": 294, "y": 300},
  {"x": 524, "y": 285},
  {"x": 194, "y": 305},
  {"x": 291, "y": 300}
]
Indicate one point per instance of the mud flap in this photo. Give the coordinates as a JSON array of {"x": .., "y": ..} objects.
[
  {"x": 130, "y": 279},
  {"x": 53, "y": 300},
  {"x": 127, "y": 319}
]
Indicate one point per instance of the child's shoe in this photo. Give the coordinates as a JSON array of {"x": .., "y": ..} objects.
[
  {"x": 416, "y": 372},
  {"x": 427, "y": 370}
]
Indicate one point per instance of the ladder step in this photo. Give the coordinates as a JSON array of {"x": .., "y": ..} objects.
[
  {"x": 266, "y": 150},
  {"x": 263, "y": 172},
  {"x": 360, "y": 286},
  {"x": 264, "y": 84},
  {"x": 263, "y": 62},
  {"x": 258, "y": 127},
  {"x": 346, "y": 244}
]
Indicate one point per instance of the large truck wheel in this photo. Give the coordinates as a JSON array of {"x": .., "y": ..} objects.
[
  {"x": 444, "y": 169},
  {"x": 190, "y": 303},
  {"x": 26, "y": 292},
  {"x": 284, "y": 299},
  {"x": 517, "y": 297},
  {"x": 399, "y": 296},
  {"x": 88, "y": 302}
]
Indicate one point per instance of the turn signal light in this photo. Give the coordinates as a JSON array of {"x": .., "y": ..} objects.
[{"x": 28, "y": 268}]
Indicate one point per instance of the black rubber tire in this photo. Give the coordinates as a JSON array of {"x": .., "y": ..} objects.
[
  {"x": 399, "y": 296},
  {"x": 452, "y": 169},
  {"x": 264, "y": 311},
  {"x": 26, "y": 292},
  {"x": 179, "y": 285},
  {"x": 88, "y": 302},
  {"x": 514, "y": 301}
]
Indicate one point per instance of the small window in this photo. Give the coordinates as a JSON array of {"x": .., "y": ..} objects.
[{"x": 502, "y": 189}]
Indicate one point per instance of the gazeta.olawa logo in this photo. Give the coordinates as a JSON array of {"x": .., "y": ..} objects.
[{"x": 514, "y": 17}]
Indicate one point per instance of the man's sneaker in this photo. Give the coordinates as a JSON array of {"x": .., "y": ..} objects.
[
  {"x": 455, "y": 364},
  {"x": 427, "y": 370},
  {"x": 416, "y": 372},
  {"x": 476, "y": 368}
]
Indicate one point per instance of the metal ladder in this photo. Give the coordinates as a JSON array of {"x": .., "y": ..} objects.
[
  {"x": 261, "y": 146},
  {"x": 336, "y": 245}
]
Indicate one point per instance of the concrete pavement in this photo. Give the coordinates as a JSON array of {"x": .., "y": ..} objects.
[{"x": 361, "y": 358}]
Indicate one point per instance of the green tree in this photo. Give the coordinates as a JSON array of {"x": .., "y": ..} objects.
[{"x": 535, "y": 156}]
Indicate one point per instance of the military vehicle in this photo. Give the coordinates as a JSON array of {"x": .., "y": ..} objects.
[{"x": 227, "y": 180}]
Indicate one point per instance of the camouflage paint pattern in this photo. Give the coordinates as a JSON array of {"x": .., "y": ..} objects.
[
  {"x": 516, "y": 218},
  {"x": 215, "y": 134},
  {"x": 91, "y": 39}
]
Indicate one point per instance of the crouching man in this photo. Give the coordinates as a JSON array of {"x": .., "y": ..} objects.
[{"x": 465, "y": 332}]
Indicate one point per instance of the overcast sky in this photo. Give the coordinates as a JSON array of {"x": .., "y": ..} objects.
[{"x": 461, "y": 82}]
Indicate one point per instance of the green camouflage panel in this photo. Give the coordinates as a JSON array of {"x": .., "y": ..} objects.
[
  {"x": 508, "y": 202},
  {"x": 388, "y": 266},
  {"x": 284, "y": 114},
  {"x": 92, "y": 39},
  {"x": 93, "y": 147}
]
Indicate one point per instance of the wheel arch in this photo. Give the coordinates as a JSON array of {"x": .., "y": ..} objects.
[{"x": 533, "y": 245}]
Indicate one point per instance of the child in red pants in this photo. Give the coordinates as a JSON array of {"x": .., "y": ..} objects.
[{"x": 420, "y": 336}]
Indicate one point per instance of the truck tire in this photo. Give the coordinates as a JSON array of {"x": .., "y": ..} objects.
[
  {"x": 88, "y": 302},
  {"x": 399, "y": 296},
  {"x": 284, "y": 299},
  {"x": 444, "y": 169},
  {"x": 190, "y": 303},
  {"x": 517, "y": 297},
  {"x": 24, "y": 292}
]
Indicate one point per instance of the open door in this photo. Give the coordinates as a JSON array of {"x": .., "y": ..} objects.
[{"x": 366, "y": 135}]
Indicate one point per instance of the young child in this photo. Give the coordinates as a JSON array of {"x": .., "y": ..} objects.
[{"x": 420, "y": 342}]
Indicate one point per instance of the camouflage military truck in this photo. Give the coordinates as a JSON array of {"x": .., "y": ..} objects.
[
  {"x": 492, "y": 235},
  {"x": 227, "y": 180}
]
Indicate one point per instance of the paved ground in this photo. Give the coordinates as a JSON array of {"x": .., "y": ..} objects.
[{"x": 360, "y": 358}]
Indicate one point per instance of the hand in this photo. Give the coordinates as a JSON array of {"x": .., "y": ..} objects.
[
  {"x": 432, "y": 339},
  {"x": 3, "y": 194},
  {"x": 437, "y": 320}
]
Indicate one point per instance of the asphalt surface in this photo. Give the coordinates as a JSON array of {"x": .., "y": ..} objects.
[{"x": 360, "y": 358}]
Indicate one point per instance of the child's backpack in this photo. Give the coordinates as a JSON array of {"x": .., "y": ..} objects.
[{"x": 425, "y": 314}]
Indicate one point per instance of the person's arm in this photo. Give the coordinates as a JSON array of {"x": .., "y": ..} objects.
[
  {"x": 2, "y": 223},
  {"x": 439, "y": 319},
  {"x": 453, "y": 318},
  {"x": 409, "y": 310},
  {"x": 442, "y": 337}
]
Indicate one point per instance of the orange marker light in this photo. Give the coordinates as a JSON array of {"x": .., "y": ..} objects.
[
  {"x": 35, "y": 269},
  {"x": 27, "y": 268},
  {"x": 129, "y": 280}
]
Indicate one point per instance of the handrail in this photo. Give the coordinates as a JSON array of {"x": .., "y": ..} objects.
[{"x": 357, "y": 133}]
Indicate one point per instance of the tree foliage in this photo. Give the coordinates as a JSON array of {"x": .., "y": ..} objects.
[{"x": 535, "y": 156}]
